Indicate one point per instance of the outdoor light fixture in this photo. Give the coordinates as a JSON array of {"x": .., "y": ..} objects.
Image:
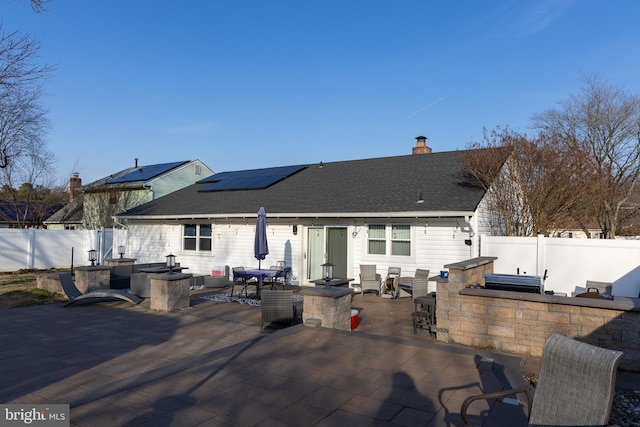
[
  {"x": 121, "y": 251},
  {"x": 92, "y": 257},
  {"x": 327, "y": 273},
  {"x": 171, "y": 262}
]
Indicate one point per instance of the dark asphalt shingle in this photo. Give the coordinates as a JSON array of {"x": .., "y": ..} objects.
[{"x": 388, "y": 184}]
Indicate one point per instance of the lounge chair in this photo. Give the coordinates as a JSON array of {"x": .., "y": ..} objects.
[
  {"x": 98, "y": 295},
  {"x": 575, "y": 386},
  {"x": 369, "y": 279},
  {"x": 277, "y": 307}
]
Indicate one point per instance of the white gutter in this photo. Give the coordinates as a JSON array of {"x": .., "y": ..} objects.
[{"x": 402, "y": 214}]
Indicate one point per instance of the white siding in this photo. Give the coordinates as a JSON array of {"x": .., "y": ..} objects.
[
  {"x": 151, "y": 242},
  {"x": 435, "y": 243},
  {"x": 179, "y": 178},
  {"x": 441, "y": 242},
  {"x": 232, "y": 245}
]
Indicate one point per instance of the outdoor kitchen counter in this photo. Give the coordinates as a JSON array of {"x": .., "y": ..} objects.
[{"x": 617, "y": 303}]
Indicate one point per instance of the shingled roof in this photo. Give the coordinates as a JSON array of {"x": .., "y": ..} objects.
[
  {"x": 134, "y": 176},
  {"x": 367, "y": 187}
]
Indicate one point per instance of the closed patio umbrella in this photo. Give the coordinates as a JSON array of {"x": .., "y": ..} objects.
[{"x": 261, "y": 248}]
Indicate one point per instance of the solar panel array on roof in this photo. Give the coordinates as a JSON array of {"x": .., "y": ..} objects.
[
  {"x": 144, "y": 173},
  {"x": 249, "y": 179}
]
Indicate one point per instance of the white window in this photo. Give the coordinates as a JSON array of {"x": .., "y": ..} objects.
[
  {"x": 401, "y": 240},
  {"x": 197, "y": 237},
  {"x": 377, "y": 235},
  {"x": 395, "y": 242}
]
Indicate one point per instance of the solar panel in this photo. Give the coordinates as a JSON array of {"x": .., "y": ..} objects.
[
  {"x": 249, "y": 179},
  {"x": 144, "y": 173}
]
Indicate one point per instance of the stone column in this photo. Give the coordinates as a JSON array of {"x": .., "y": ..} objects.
[
  {"x": 90, "y": 278},
  {"x": 169, "y": 291},
  {"x": 332, "y": 306},
  {"x": 448, "y": 301}
]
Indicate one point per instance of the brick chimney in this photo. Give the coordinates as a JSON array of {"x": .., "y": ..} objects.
[
  {"x": 421, "y": 146},
  {"x": 75, "y": 186}
]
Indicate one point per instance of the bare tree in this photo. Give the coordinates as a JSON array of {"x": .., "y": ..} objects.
[
  {"x": 532, "y": 191},
  {"x": 23, "y": 120},
  {"x": 39, "y": 5},
  {"x": 28, "y": 183},
  {"x": 600, "y": 127}
]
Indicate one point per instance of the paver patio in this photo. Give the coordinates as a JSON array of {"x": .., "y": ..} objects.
[{"x": 122, "y": 365}]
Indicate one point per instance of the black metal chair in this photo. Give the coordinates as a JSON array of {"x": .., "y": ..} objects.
[
  {"x": 424, "y": 306},
  {"x": 240, "y": 278}
]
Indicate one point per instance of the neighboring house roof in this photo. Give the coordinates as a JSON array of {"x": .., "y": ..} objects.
[
  {"x": 134, "y": 176},
  {"x": 130, "y": 178},
  {"x": 71, "y": 213},
  {"x": 368, "y": 187},
  {"x": 35, "y": 211}
]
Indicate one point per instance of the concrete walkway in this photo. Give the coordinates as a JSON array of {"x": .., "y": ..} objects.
[{"x": 122, "y": 365}]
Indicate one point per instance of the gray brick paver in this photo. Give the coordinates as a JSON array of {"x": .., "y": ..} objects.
[{"x": 119, "y": 364}]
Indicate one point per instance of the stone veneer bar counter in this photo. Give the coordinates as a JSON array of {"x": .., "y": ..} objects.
[
  {"x": 331, "y": 305},
  {"x": 518, "y": 322}
]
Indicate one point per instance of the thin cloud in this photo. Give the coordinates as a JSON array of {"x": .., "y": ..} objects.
[
  {"x": 442, "y": 98},
  {"x": 542, "y": 14}
]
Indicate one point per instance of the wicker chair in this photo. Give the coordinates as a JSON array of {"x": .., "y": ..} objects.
[
  {"x": 369, "y": 279},
  {"x": 575, "y": 386},
  {"x": 405, "y": 284},
  {"x": 277, "y": 307}
]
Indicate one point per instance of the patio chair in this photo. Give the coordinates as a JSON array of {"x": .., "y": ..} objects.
[
  {"x": 424, "y": 305},
  {"x": 277, "y": 307},
  {"x": 240, "y": 278},
  {"x": 575, "y": 386},
  {"x": 98, "y": 295},
  {"x": 278, "y": 278},
  {"x": 369, "y": 279},
  {"x": 281, "y": 278},
  {"x": 405, "y": 284}
]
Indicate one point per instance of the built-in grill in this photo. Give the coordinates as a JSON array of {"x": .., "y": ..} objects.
[{"x": 514, "y": 282}]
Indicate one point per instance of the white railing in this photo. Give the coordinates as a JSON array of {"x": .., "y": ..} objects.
[
  {"x": 44, "y": 249},
  {"x": 569, "y": 263}
]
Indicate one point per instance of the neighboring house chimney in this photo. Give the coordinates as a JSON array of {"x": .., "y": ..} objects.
[
  {"x": 75, "y": 185},
  {"x": 421, "y": 146}
]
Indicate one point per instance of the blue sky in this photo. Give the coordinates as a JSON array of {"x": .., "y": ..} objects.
[{"x": 243, "y": 84}]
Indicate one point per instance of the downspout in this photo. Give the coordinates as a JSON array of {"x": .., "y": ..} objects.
[{"x": 472, "y": 237}]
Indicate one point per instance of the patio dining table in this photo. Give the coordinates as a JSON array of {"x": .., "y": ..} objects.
[{"x": 260, "y": 274}]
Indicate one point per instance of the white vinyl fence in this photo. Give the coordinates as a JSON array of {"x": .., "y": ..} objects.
[
  {"x": 43, "y": 249},
  {"x": 569, "y": 263}
]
